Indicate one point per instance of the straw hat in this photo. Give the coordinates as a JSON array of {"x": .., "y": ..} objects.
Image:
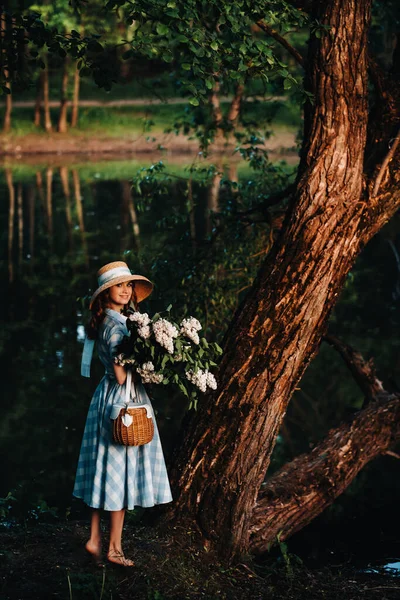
[{"x": 119, "y": 272}]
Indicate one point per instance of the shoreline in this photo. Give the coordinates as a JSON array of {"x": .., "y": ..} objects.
[{"x": 42, "y": 146}]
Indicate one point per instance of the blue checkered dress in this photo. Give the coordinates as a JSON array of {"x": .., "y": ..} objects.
[{"x": 112, "y": 476}]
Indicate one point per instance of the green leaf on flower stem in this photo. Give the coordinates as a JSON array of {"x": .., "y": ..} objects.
[
  {"x": 204, "y": 342},
  {"x": 194, "y": 101},
  {"x": 156, "y": 316},
  {"x": 183, "y": 389},
  {"x": 164, "y": 361},
  {"x": 168, "y": 307},
  {"x": 218, "y": 348},
  {"x": 201, "y": 352},
  {"x": 212, "y": 363}
]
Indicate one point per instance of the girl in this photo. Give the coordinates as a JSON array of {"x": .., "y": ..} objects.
[{"x": 110, "y": 476}]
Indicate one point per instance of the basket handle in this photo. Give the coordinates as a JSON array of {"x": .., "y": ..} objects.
[{"x": 129, "y": 385}]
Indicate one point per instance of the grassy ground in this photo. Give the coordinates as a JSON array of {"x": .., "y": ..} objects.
[
  {"x": 150, "y": 118},
  {"x": 48, "y": 561}
]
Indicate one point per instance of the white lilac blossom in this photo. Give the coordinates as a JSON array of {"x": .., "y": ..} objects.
[
  {"x": 211, "y": 381},
  {"x": 164, "y": 333},
  {"x": 189, "y": 328},
  {"x": 202, "y": 379},
  {"x": 146, "y": 372},
  {"x": 144, "y": 332},
  {"x": 141, "y": 319}
]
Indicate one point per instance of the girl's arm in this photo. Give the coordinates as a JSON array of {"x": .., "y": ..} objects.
[{"x": 120, "y": 374}]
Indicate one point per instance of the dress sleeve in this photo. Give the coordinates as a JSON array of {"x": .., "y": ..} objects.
[{"x": 114, "y": 337}]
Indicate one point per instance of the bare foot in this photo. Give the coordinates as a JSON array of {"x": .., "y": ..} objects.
[
  {"x": 118, "y": 558},
  {"x": 94, "y": 551}
]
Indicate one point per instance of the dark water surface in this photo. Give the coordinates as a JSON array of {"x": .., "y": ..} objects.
[{"x": 59, "y": 224}]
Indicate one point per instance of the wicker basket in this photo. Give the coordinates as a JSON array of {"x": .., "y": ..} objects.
[{"x": 139, "y": 432}]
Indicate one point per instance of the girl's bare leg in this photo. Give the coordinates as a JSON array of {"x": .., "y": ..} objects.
[
  {"x": 115, "y": 553},
  {"x": 93, "y": 545}
]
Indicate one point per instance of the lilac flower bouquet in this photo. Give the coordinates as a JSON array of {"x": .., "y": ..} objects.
[{"x": 164, "y": 352}]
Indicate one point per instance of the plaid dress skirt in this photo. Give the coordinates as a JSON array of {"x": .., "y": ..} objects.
[{"x": 109, "y": 475}]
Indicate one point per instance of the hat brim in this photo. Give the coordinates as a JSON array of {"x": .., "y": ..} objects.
[{"x": 143, "y": 287}]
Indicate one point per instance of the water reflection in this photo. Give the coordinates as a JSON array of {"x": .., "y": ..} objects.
[{"x": 64, "y": 221}]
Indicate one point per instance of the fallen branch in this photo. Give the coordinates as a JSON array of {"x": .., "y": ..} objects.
[{"x": 302, "y": 489}]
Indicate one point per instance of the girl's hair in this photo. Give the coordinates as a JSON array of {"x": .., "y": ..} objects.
[{"x": 99, "y": 311}]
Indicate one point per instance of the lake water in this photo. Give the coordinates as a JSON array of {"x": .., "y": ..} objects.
[{"x": 61, "y": 221}]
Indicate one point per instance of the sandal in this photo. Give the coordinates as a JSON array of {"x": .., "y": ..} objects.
[{"x": 120, "y": 561}]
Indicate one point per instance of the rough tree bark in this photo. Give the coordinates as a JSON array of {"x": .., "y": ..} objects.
[{"x": 275, "y": 333}]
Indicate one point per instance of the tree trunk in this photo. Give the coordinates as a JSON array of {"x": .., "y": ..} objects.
[
  {"x": 234, "y": 110},
  {"x": 276, "y": 331},
  {"x": 8, "y": 111},
  {"x": 62, "y": 119},
  {"x": 47, "y": 117},
  {"x": 216, "y": 112},
  {"x": 5, "y": 30},
  {"x": 75, "y": 99},
  {"x": 213, "y": 197},
  {"x": 302, "y": 489},
  {"x": 39, "y": 99}
]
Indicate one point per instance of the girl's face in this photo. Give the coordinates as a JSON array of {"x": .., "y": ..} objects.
[{"x": 120, "y": 295}]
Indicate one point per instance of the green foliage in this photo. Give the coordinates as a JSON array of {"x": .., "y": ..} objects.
[
  {"x": 18, "y": 505},
  {"x": 289, "y": 559},
  {"x": 6, "y": 506}
]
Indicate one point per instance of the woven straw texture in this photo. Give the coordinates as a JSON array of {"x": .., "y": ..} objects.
[{"x": 139, "y": 432}]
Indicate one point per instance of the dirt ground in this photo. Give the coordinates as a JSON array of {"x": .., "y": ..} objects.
[{"x": 47, "y": 560}]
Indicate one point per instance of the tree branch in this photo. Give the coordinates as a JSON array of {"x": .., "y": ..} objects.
[
  {"x": 272, "y": 200},
  {"x": 274, "y": 34},
  {"x": 385, "y": 164},
  {"x": 363, "y": 371},
  {"x": 302, "y": 489}
]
